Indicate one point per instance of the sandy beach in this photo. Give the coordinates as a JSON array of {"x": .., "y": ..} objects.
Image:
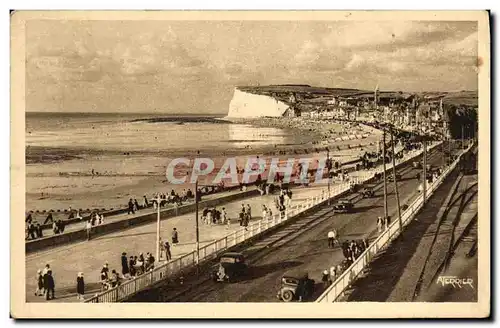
[{"x": 60, "y": 177}]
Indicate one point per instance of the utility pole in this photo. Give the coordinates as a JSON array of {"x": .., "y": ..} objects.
[
  {"x": 385, "y": 177},
  {"x": 328, "y": 173},
  {"x": 425, "y": 169},
  {"x": 196, "y": 197},
  {"x": 462, "y": 146},
  {"x": 396, "y": 183}
]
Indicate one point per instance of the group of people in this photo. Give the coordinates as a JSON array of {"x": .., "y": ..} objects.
[
  {"x": 214, "y": 216},
  {"x": 93, "y": 220},
  {"x": 109, "y": 280},
  {"x": 283, "y": 200},
  {"x": 245, "y": 215},
  {"x": 383, "y": 223},
  {"x": 45, "y": 283},
  {"x": 351, "y": 249}
]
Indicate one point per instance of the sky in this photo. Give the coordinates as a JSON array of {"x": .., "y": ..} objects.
[{"x": 193, "y": 66}]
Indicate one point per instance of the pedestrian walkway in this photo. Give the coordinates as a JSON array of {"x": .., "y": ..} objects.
[
  {"x": 82, "y": 224},
  {"x": 89, "y": 257}
]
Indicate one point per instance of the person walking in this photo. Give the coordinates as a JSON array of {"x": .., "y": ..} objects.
[
  {"x": 176, "y": 208},
  {"x": 224, "y": 215},
  {"x": 131, "y": 266},
  {"x": 39, "y": 280},
  {"x": 175, "y": 237},
  {"x": 326, "y": 279},
  {"x": 80, "y": 287},
  {"x": 333, "y": 273},
  {"x": 162, "y": 248},
  {"x": 264, "y": 212},
  {"x": 331, "y": 239},
  {"x": 125, "y": 268},
  {"x": 168, "y": 255},
  {"x": 379, "y": 224},
  {"x": 89, "y": 229},
  {"x": 130, "y": 207},
  {"x": 209, "y": 218},
  {"x": 49, "y": 285},
  {"x": 249, "y": 212}
]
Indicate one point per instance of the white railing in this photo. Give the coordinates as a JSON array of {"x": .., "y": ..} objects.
[
  {"x": 346, "y": 279},
  {"x": 211, "y": 250}
]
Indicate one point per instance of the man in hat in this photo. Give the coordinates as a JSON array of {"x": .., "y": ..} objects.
[{"x": 49, "y": 285}]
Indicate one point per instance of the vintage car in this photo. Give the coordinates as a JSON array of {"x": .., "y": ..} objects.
[
  {"x": 343, "y": 206},
  {"x": 295, "y": 285},
  {"x": 231, "y": 266},
  {"x": 367, "y": 192}
]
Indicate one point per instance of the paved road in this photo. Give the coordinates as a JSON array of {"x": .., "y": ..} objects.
[
  {"x": 308, "y": 251},
  {"x": 89, "y": 256},
  {"x": 409, "y": 265}
]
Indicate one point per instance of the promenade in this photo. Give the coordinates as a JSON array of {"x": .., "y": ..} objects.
[
  {"x": 117, "y": 217},
  {"x": 89, "y": 256}
]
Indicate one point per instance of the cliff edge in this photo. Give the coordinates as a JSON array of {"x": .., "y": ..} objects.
[{"x": 246, "y": 104}]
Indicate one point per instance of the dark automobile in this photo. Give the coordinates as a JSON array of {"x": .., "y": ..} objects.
[
  {"x": 367, "y": 192},
  {"x": 295, "y": 286},
  {"x": 231, "y": 266},
  {"x": 343, "y": 206}
]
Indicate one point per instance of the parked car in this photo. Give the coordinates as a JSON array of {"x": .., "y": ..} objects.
[
  {"x": 367, "y": 192},
  {"x": 231, "y": 266},
  {"x": 343, "y": 206},
  {"x": 296, "y": 285}
]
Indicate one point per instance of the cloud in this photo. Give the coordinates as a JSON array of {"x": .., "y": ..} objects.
[{"x": 148, "y": 63}]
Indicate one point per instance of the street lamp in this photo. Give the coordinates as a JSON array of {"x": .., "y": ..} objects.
[{"x": 158, "y": 203}]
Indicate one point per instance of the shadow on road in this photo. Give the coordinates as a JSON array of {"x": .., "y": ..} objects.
[{"x": 258, "y": 271}]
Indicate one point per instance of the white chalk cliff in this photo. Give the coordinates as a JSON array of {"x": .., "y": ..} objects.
[{"x": 246, "y": 104}]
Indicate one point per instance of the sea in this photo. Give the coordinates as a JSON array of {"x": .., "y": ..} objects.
[{"x": 145, "y": 132}]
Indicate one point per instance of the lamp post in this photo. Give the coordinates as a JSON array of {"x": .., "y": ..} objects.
[
  {"x": 158, "y": 202},
  {"x": 196, "y": 196}
]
